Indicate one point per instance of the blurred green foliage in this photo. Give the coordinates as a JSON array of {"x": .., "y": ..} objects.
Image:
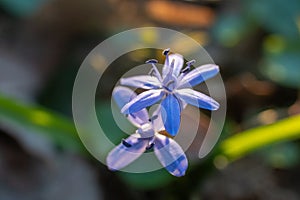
[
  {"x": 56, "y": 127},
  {"x": 62, "y": 132},
  {"x": 280, "y": 22}
]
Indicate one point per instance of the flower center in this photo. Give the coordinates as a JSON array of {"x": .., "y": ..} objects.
[
  {"x": 169, "y": 86},
  {"x": 146, "y": 130}
]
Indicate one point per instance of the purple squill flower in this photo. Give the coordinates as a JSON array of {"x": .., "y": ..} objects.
[
  {"x": 173, "y": 87},
  {"x": 146, "y": 137}
]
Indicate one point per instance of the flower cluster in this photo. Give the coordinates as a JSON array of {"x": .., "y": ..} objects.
[{"x": 173, "y": 89}]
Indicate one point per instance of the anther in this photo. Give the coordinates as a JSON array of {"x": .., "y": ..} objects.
[
  {"x": 126, "y": 144},
  {"x": 154, "y": 117},
  {"x": 150, "y": 146},
  {"x": 191, "y": 62},
  {"x": 166, "y": 51},
  {"x": 151, "y": 61}
]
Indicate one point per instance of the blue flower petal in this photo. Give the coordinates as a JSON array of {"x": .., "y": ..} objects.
[
  {"x": 123, "y": 95},
  {"x": 171, "y": 114},
  {"x": 142, "y": 81},
  {"x": 178, "y": 64},
  {"x": 126, "y": 152},
  {"x": 143, "y": 100},
  {"x": 170, "y": 155},
  {"x": 198, "y": 75},
  {"x": 197, "y": 99},
  {"x": 158, "y": 123}
]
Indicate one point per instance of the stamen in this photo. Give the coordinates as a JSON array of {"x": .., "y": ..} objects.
[
  {"x": 126, "y": 144},
  {"x": 188, "y": 67},
  {"x": 185, "y": 70},
  {"x": 165, "y": 53},
  {"x": 169, "y": 83},
  {"x": 151, "y": 145},
  {"x": 154, "y": 70},
  {"x": 166, "y": 88},
  {"x": 151, "y": 73}
]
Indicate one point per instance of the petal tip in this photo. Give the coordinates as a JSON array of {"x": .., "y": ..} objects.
[
  {"x": 179, "y": 174},
  {"x": 109, "y": 163},
  {"x": 181, "y": 169},
  {"x": 215, "y": 106},
  {"x": 112, "y": 169},
  {"x": 125, "y": 110},
  {"x": 122, "y": 81},
  {"x": 173, "y": 130}
]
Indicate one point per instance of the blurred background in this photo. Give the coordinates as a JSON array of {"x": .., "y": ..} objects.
[{"x": 256, "y": 43}]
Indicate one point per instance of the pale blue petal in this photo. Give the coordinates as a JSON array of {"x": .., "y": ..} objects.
[
  {"x": 142, "y": 81},
  {"x": 178, "y": 64},
  {"x": 158, "y": 123},
  {"x": 198, "y": 75},
  {"x": 143, "y": 100},
  {"x": 139, "y": 118},
  {"x": 170, "y": 155},
  {"x": 197, "y": 99},
  {"x": 122, "y": 155},
  {"x": 171, "y": 114},
  {"x": 123, "y": 95}
]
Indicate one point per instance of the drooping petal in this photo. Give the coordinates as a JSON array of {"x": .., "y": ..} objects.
[
  {"x": 123, "y": 95},
  {"x": 143, "y": 100},
  {"x": 178, "y": 63},
  {"x": 170, "y": 155},
  {"x": 197, "y": 99},
  {"x": 126, "y": 152},
  {"x": 171, "y": 114},
  {"x": 142, "y": 81},
  {"x": 198, "y": 75}
]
